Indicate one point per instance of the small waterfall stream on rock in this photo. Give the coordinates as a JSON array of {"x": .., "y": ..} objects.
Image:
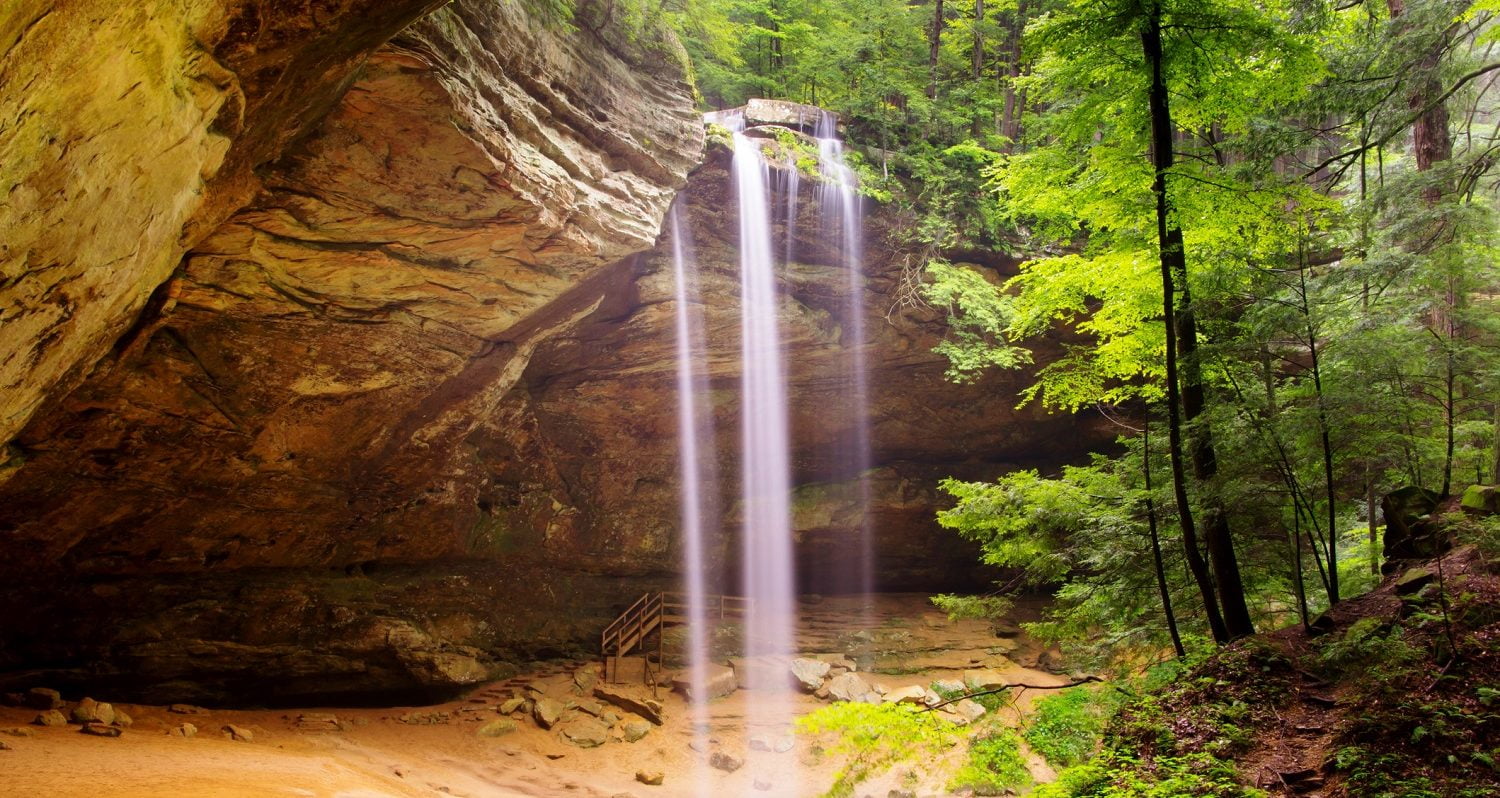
[
  {"x": 768, "y": 567},
  {"x": 694, "y": 434}
]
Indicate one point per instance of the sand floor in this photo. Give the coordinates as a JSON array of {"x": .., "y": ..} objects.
[{"x": 379, "y": 755}]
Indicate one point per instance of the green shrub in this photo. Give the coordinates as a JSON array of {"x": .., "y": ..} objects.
[
  {"x": 995, "y": 765},
  {"x": 1067, "y": 726},
  {"x": 874, "y": 737}
]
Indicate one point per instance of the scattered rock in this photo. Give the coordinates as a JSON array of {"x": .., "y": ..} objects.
[
  {"x": 897, "y": 793},
  {"x": 982, "y": 680},
  {"x": 588, "y": 707},
  {"x": 50, "y": 718},
  {"x": 318, "y": 722},
  {"x": 845, "y": 663},
  {"x": 546, "y": 712},
  {"x": 18, "y": 731},
  {"x": 555, "y": 757},
  {"x": 761, "y": 784},
  {"x": 648, "y": 708},
  {"x": 913, "y": 694},
  {"x": 720, "y": 681},
  {"x": 497, "y": 728},
  {"x": 1050, "y": 660},
  {"x": 1321, "y": 625},
  {"x": 728, "y": 763},
  {"x": 585, "y": 732},
  {"x": 185, "y": 730},
  {"x": 510, "y": 705},
  {"x": 91, "y": 711},
  {"x": 238, "y": 733},
  {"x": 122, "y": 719},
  {"x": 187, "y": 709},
  {"x": 5, "y": 746},
  {"x": 822, "y": 692},
  {"x": 584, "y": 680},
  {"x": 1006, "y": 629},
  {"x": 634, "y": 729},
  {"x": 1481, "y": 500},
  {"x": 847, "y": 687},
  {"x": 1412, "y": 582},
  {"x": 760, "y": 673},
  {"x": 653, "y": 778},
  {"x": 43, "y": 698},
  {"x": 809, "y": 673},
  {"x": 970, "y": 709},
  {"x": 425, "y": 718},
  {"x": 101, "y": 730}
]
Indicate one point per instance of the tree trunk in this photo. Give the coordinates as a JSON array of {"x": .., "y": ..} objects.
[
  {"x": 934, "y": 42},
  {"x": 1156, "y": 558},
  {"x": 1173, "y": 263}
]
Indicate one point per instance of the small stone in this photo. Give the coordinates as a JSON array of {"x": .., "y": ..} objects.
[
  {"x": 822, "y": 692},
  {"x": 510, "y": 705},
  {"x": 91, "y": 711},
  {"x": 653, "y": 778},
  {"x": 497, "y": 728},
  {"x": 43, "y": 698},
  {"x": 760, "y": 742},
  {"x": 783, "y": 745},
  {"x": 588, "y": 707},
  {"x": 970, "y": 709},
  {"x": 18, "y": 731},
  {"x": 317, "y": 722},
  {"x": 238, "y": 733},
  {"x": 101, "y": 730},
  {"x": 425, "y": 718},
  {"x": 762, "y": 784},
  {"x": 913, "y": 694},
  {"x": 187, "y": 709},
  {"x": 555, "y": 757},
  {"x": 634, "y": 729},
  {"x": 728, "y": 763},
  {"x": 547, "y": 712},
  {"x": 585, "y": 732},
  {"x": 185, "y": 730},
  {"x": 50, "y": 718},
  {"x": 809, "y": 673}
]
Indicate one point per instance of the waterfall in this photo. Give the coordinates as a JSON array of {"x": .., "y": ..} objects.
[
  {"x": 840, "y": 218},
  {"x": 692, "y": 427},
  {"x": 769, "y": 572}
]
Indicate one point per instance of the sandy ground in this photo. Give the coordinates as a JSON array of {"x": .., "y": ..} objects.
[{"x": 379, "y": 756}]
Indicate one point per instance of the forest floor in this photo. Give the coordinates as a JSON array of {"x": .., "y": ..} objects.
[{"x": 390, "y": 752}]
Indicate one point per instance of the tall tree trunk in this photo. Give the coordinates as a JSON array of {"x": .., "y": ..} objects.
[
  {"x": 1156, "y": 558},
  {"x": 934, "y": 43},
  {"x": 977, "y": 65},
  {"x": 1010, "y": 114},
  {"x": 1173, "y": 264}
]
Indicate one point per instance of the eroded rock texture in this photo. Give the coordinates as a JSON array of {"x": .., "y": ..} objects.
[
  {"x": 402, "y": 412},
  {"x": 299, "y": 394},
  {"x": 127, "y": 132}
]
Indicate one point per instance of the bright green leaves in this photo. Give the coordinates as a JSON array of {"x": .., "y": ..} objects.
[{"x": 980, "y": 317}]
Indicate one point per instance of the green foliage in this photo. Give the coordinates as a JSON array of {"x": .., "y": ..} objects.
[
  {"x": 980, "y": 607},
  {"x": 1066, "y": 727},
  {"x": 1118, "y": 776},
  {"x": 994, "y": 767},
  {"x": 1369, "y": 643},
  {"x": 872, "y": 737}
]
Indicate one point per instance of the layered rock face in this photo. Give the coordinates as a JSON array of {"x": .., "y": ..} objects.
[
  {"x": 299, "y": 393},
  {"x": 399, "y": 410}
]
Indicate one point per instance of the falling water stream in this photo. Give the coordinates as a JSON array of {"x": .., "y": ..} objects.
[{"x": 769, "y": 570}]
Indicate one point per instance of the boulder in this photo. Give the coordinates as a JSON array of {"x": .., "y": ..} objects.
[
  {"x": 185, "y": 730},
  {"x": 123, "y": 719},
  {"x": 1412, "y": 582},
  {"x": 983, "y": 679},
  {"x": 720, "y": 680},
  {"x": 653, "y": 778},
  {"x": 809, "y": 673},
  {"x": 1481, "y": 500},
  {"x": 512, "y": 704},
  {"x": 761, "y": 673},
  {"x": 238, "y": 733},
  {"x": 50, "y": 718},
  {"x": 848, "y": 687},
  {"x": 949, "y": 686},
  {"x": 43, "y": 698},
  {"x": 497, "y": 728},
  {"x": 970, "y": 709},
  {"x": 913, "y": 694},
  {"x": 547, "y": 711},
  {"x": 90, "y": 711},
  {"x": 1410, "y": 533},
  {"x": 101, "y": 730},
  {"x": 634, "y": 728},
  {"x": 631, "y": 701},
  {"x": 585, "y": 732},
  {"x": 584, "y": 680}
]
